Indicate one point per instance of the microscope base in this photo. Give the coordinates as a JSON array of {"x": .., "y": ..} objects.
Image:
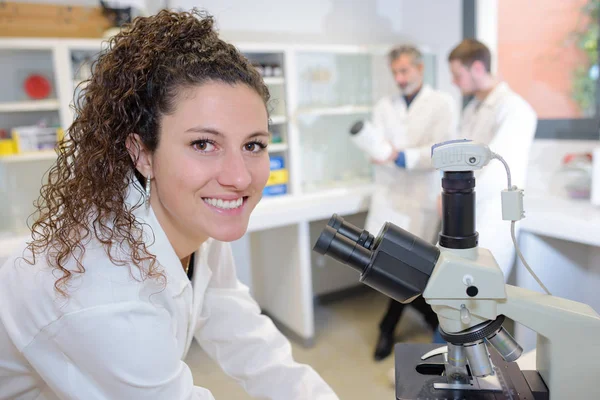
[{"x": 412, "y": 385}]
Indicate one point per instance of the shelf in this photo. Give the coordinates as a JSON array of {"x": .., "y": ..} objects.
[
  {"x": 342, "y": 110},
  {"x": 31, "y": 105},
  {"x": 42, "y": 155},
  {"x": 275, "y": 80},
  {"x": 278, "y": 119},
  {"x": 275, "y": 147}
]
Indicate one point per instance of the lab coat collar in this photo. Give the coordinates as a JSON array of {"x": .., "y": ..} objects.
[
  {"x": 496, "y": 94},
  {"x": 423, "y": 93},
  {"x": 158, "y": 244}
]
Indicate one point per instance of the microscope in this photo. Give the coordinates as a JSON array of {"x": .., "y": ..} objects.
[{"x": 465, "y": 287}]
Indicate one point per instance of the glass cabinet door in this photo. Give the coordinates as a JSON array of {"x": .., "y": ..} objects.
[
  {"x": 333, "y": 80},
  {"x": 334, "y": 91},
  {"x": 329, "y": 159}
]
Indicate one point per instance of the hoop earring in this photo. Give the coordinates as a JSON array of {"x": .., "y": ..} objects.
[{"x": 147, "y": 189}]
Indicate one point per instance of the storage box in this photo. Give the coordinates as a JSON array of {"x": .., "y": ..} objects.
[
  {"x": 7, "y": 147},
  {"x": 51, "y": 20},
  {"x": 34, "y": 138}
]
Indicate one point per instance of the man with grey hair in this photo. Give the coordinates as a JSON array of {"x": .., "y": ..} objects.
[{"x": 406, "y": 185}]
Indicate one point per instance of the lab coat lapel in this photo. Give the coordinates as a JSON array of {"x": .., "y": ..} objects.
[
  {"x": 496, "y": 95},
  {"x": 157, "y": 241},
  {"x": 479, "y": 123},
  {"x": 200, "y": 280},
  {"x": 419, "y": 101}
]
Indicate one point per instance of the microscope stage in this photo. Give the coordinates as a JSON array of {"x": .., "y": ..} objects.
[{"x": 513, "y": 384}]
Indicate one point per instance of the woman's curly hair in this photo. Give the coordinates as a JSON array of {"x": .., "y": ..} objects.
[{"x": 134, "y": 82}]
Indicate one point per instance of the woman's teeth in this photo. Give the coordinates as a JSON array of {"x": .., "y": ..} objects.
[{"x": 225, "y": 204}]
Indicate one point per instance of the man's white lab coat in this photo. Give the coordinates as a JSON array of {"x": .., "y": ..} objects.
[
  {"x": 506, "y": 123},
  {"x": 120, "y": 337},
  {"x": 407, "y": 196}
]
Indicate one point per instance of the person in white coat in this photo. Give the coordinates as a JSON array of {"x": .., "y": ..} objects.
[
  {"x": 500, "y": 118},
  {"x": 129, "y": 259},
  {"x": 407, "y": 186}
]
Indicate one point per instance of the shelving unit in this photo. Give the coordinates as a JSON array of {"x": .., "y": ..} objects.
[
  {"x": 43, "y": 155},
  {"x": 278, "y": 119},
  {"x": 277, "y": 147},
  {"x": 30, "y": 106},
  {"x": 275, "y": 80},
  {"x": 341, "y": 110}
]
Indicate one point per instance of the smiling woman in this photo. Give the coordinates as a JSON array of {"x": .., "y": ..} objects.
[{"x": 161, "y": 169}]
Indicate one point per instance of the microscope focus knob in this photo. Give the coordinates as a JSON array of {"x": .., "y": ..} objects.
[
  {"x": 472, "y": 291},
  {"x": 465, "y": 315}
]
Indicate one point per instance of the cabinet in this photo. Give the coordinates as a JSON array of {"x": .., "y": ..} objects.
[
  {"x": 21, "y": 174},
  {"x": 317, "y": 95}
]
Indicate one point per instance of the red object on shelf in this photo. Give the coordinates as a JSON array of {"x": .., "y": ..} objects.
[{"x": 37, "y": 87}]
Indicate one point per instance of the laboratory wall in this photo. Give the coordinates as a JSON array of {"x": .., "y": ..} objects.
[
  {"x": 542, "y": 61},
  {"x": 432, "y": 23}
]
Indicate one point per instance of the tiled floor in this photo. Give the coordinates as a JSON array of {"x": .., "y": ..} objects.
[{"x": 343, "y": 353}]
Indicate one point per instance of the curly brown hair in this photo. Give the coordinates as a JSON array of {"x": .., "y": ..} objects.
[{"x": 135, "y": 81}]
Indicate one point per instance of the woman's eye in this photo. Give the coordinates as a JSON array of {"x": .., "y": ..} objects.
[
  {"x": 203, "y": 146},
  {"x": 255, "y": 147}
]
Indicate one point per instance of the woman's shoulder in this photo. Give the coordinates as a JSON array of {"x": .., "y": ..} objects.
[{"x": 28, "y": 286}]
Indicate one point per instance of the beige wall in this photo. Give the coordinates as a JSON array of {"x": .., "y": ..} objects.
[{"x": 536, "y": 54}]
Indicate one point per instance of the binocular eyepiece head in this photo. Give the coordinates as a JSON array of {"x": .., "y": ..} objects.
[{"x": 396, "y": 262}]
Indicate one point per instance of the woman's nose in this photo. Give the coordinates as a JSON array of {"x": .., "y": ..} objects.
[{"x": 234, "y": 172}]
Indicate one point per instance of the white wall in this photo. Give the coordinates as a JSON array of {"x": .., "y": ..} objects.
[
  {"x": 436, "y": 24},
  {"x": 487, "y": 27}
]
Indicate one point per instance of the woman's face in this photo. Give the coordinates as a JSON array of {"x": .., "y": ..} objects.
[{"x": 211, "y": 164}]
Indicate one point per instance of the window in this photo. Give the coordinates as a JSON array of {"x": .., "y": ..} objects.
[{"x": 547, "y": 52}]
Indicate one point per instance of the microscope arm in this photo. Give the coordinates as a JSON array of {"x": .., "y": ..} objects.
[{"x": 568, "y": 341}]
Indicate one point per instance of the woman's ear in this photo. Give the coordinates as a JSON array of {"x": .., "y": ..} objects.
[{"x": 140, "y": 155}]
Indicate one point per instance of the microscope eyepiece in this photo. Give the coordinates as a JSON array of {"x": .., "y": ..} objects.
[
  {"x": 397, "y": 263},
  {"x": 361, "y": 236},
  {"x": 343, "y": 249}
]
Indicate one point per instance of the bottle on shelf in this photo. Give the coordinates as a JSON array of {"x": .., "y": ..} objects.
[
  {"x": 267, "y": 70},
  {"x": 278, "y": 178}
]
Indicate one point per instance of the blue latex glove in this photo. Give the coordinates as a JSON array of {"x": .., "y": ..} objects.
[
  {"x": 401, "y": 160},
  {"x": 437, "y": 337}
]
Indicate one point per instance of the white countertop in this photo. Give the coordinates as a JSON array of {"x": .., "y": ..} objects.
[
  {"x": 273, "y": 212},
  {"x": 562, "y": 218}
]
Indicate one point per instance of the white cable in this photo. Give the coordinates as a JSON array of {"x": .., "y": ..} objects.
[
  {"x": 512, "y": 229},
  {"x": 514, "y": 239},
  {"x": 499, "y": 157}
]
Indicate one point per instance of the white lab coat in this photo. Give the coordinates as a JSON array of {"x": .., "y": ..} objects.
[
  {"x": 506, "y": 123},
  {"x": 407, "y": 197},
  {"x": 120, "y": 337}
]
